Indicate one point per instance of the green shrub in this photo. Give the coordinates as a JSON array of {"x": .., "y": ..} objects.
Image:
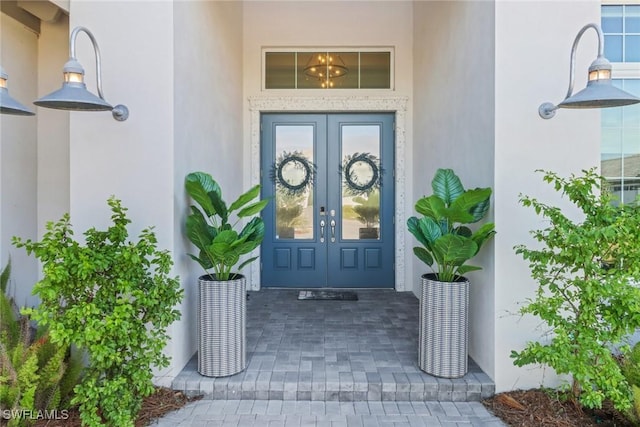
[
  {"x": 631, "y": 370},
  {"x": 586, "y": 272},
  {"x": 114, "y": 299},
  {"x": 35, "y": 374}
]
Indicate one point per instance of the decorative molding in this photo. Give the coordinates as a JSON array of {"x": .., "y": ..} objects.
[{"x": 394, "y": 104}]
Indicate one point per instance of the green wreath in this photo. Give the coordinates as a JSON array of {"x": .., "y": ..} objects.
[
  {"x": 296, "y": 160},
  {"x": 354, "y": 186}
]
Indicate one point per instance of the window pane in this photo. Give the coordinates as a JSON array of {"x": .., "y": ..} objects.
[
  {"x": 327, "y": 70},
  {"x": 631, "y": 141},
  {"x": 612, "y": 167},
  {"x": 375, "y": 70},
  {"x": 632, "y": 19},
  {"x": 308, "y": 79},
  {"x": 632, "y": 86},
  {"x": 631, "y": 49},
  {"x": 630, "y": 190},
  {"x": 611, "y": 116},
  {"x": 280, "y": 70},
  {"x": 631, "y": 113},
  {"x": 631, "y": 117},
  {"x": 620, "y": 145},
  {"x": 611, "y": 147},
  {"x": 361, "y": 178},
  {"x": 613, "y": 48},
  {"x": 294, "y": 209},
  {"x": 612, "y": 19},
  {"x": 349, "y": 77}
]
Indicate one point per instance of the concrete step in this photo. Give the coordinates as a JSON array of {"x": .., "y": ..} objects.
[
  {"x": 365, "y": 350},
  {"x": 338, "y": 386}
]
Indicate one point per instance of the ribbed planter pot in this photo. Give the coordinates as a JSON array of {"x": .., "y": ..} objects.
[
  {"x": 222, "y": 339},
  {"x": 444, "y": 327}
]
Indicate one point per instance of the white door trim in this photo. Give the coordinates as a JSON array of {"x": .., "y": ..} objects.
[{"x": 395, "y": 104}]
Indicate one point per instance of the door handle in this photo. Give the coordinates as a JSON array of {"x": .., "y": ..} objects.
[
  {"x": 332, "y": 223},
  {"x": 322, "y": 224}
]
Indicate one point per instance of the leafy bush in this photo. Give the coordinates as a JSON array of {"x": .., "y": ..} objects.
[
  {"x": 631, "y": 371},
  {"x": 586, "y": 271},
  {"x": 114, "y": 299},
  {"x": 35, "y": 374}
]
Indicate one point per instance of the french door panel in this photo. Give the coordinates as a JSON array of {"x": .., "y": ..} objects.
[
  {"x": 363, "y": 253},
  {"x": 292, "y": 254},
  {"x": 330, "y": 219}
]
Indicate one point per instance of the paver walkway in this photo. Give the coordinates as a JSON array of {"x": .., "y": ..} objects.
[
  {"x": 272, "y": 413},
  {"x": 333, "y": 363}
]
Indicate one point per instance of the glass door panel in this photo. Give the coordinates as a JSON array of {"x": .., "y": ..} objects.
[
  {"x": 361, "y": 182},
  {"x": 294, "y": 179}
]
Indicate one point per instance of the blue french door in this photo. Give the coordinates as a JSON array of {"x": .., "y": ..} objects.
[{"x": 330, "y": 220}]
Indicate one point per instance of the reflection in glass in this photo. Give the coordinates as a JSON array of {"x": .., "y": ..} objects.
[
  {"x": 613, "y": 47},
  {"x": 632, "y": 19},
  {"x": 611, "y": 19},
  {"x": 620, "y": 149},
  {"x": 632, "y": 48},
  {"x": 293, "y": 199},
  {"x": 327, "y": 70},
  {"x": 280, "y": 70},
  {"x": 375, "y": 70},
  {"x": 367, "y": 210},
  {"x": 360, "y": 192}
]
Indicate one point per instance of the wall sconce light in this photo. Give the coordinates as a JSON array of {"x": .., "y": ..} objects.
[
  {"x": 599, "y": 93},
  {"x": 74, "y": 94},
  {"x": 8, "y": 105}
]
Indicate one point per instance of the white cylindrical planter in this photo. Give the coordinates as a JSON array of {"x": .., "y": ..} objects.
[
  {"x": 444, "y": 327},
  {"x": 222, "y": 339}
]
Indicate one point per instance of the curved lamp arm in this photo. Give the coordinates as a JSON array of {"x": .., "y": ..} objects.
[
  {"x": 119, "y": 112},
  {"x": 574, "y": 48},
  {"x": 96, "y": 49}
]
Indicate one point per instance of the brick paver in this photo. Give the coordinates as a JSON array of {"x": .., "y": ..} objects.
[
  {"x": 252, "y": 413},
  {"x": 334, "y": 351}
]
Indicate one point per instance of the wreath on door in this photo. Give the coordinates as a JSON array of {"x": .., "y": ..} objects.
[
  {"x": 358, "y": 183},
  {"x": 293, "y": 172}
]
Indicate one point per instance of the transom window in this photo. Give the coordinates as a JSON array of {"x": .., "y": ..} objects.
[
  {"x": 620, "y": 147},
  {"x": 327, "y": 69}
]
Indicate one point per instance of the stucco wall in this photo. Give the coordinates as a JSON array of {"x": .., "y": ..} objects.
[
  {"x": 18, "y": 148},
  {"x": 454, "y": 128},
  {"x": 208, "y": 130},
  {"x": 53, "y": 126},
  {"x": 133, "y": 160},
  {"x": 533, "y": 43}
]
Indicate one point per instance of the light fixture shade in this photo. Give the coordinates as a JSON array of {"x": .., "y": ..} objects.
[
  {"x": 8, "y": 105},
  {"x": 599, "y": 94},
  {"x": 73, "y": 96}
]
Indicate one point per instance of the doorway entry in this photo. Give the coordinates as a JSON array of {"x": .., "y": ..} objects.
[{"x": 330, "y": 222}]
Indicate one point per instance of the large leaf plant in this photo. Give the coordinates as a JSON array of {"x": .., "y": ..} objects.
[
  {"x": 210, "y": 229},
  {"x": 447, "y": 243}
]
